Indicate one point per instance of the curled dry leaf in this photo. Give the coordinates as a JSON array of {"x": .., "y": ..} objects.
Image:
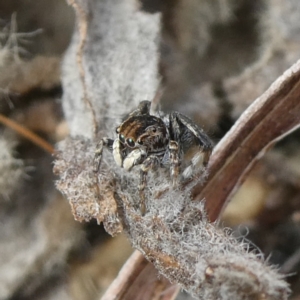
[
  {"x": 271, "y": 117},
  {"x": 79, "y": 183}
]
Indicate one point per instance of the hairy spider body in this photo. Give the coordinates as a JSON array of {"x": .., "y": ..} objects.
[
  {"x": 151, "y": 141},
  {"x": 140, "y": 136}
]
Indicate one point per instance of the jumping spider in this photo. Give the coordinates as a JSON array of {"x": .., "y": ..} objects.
[{"x": 152, "y": 141}]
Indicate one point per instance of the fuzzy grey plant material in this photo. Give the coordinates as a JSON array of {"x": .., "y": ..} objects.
[
  {"x": 174, "y": 235},
  {"x": 205, "y": 260},
  {"x": 118, "y": 67},
  {"x": 110, "y": 67},
  {"x": 79, "y": 183}
]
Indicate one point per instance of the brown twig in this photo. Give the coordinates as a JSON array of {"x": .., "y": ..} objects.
[
  {"x": 271, "y": 117},
  {"x": 133, "y": 282},
  {"x": 27, "y": 134}
]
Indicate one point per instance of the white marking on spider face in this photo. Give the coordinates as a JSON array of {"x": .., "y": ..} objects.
[
  {"x": 133, "y": 158},
  {"x": 117, "y": 153}
]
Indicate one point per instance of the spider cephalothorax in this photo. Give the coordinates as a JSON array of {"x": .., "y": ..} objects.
[{"x": 151, "y": 141}]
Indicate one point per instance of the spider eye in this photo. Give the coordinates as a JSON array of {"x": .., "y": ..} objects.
[
  {"x": 117, "y": 129},
  {"x": 122, "y": 138},
  {"x": 130, "y": 142}
]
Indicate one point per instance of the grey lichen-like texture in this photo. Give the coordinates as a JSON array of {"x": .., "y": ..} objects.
[
  {"x": 76, "y": 175},
  {"x": 206, "y": 261},
  {"x": 174, "y": 235},
  {"x": 120, "y": 65},
  {"x": 116, "y": 68}
]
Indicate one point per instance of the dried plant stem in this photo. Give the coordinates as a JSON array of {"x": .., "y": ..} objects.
[
  {"x": 27, "y": 134},
  {"x": 133, "y": 282},
  {"x": 271, "y": 117}
]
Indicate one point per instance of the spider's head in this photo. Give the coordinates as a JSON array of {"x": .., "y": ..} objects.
[{"x": 143, "y": 131}]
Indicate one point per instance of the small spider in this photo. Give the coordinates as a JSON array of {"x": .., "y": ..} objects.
[{"x": 151, "y": 141}]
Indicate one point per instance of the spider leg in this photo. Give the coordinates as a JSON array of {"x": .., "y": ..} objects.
[
  {"x": 104, "y": 142},
  {"x": 194, "y": 143},
  {"x": 150, "y": 163},
  {"x": 117, "y": 152},
  {"x": 142, "y": 109},
  {"x": 198, "y": 161},
  {"x": 174, "y": 161}
]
